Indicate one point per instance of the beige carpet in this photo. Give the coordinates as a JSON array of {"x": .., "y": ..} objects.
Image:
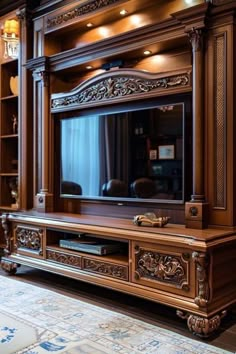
[{"x": 39, "y": 321}]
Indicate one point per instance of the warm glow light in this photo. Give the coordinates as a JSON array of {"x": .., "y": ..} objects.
[
  {"x": 10, "y": 34},
  {"x": 188, "y": 1},
  {"x": 90, "y": 24},
  {"x": 136, "y": 20},
  {"x": 123, "y": 12},
  {"x": 104, "y": 31},
  {"x": 158, "y": 59},
  {"x": 89, "y": 67},
  {"x": 147, "y": 52}
]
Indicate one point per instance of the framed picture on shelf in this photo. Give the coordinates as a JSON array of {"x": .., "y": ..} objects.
[{"x": 166, "y": 152}]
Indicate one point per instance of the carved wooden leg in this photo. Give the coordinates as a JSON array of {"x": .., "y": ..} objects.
[
  {"x": 201, "y": 326},
  {"x": 9, "y": 267}
]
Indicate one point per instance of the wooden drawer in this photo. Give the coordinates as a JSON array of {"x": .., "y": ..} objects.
[
  {"x": 114, "y": 270},
  {"x": 88, "y": 263},
  {"x": 28, "y": 240},
  {"x": 163, "y": 267},
  {"x": 63, "y": 257}
]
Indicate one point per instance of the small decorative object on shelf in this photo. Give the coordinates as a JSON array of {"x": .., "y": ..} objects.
[
  {"x": 14, "y": 85},
  {"x": 152, "y": 219},
  {"x": 14, "y": 124},
  {"x": 13, "y": 184}
]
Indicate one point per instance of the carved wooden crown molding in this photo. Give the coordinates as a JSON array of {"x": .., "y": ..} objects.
[
  {"x": 116, "y": 85},
  {"x": 78, "y": 11}
]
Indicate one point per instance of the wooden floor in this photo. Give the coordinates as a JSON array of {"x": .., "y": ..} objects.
[{"x": 138, "y": 308}]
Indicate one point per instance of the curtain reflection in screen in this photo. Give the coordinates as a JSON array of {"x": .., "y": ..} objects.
[{"x": 80, "y": 153}]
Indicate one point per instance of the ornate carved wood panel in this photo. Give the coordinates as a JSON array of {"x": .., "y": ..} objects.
[
  {"x": 28, "y": 239},
  {"x": 220, "y": 120},
  {"x": 105, "y": 268},
  {"x": 64, "y": 258},
  {"x": 120, "y": 85},
  {"x": 161, "y": 268}
]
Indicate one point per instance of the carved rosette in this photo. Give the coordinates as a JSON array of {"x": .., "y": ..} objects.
[
  {"x": 63, "y": 258},
  {"x": 117, "y": 87},
  {"x": 202, "y": 262},
  {"x": 162, "y": 267},
  {"x": 108, "y": 269},
  {"x": 78, "y": 11},
  {"x": 200, "y": 326},
  {"x": 29, "y": 239}
]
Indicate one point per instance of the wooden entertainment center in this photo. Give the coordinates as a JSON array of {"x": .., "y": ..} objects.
[{"x": 82, "y": 68}]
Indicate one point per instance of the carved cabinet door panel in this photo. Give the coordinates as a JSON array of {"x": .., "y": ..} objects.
[
  {"x": 28, "y": 240},
  {"x": 165, "y": 268}
]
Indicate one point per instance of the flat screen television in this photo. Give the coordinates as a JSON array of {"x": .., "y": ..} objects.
[{"x": 136, "y": 154}]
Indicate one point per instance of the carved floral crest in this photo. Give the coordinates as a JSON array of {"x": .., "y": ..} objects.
[{"x": 118, "y": 85}]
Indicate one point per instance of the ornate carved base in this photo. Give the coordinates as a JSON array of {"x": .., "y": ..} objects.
[
  {"x": 9, "y": 267},
  {"x": 201, "y": 326}
]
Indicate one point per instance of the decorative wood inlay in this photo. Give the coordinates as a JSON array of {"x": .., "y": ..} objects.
[
  {"x": 68, "y": 259},
  {"x": 202, "y": 262},
  {"x": 161, "y": 267},
  {"x": 78, "y": 11},
  {"x": 220, "y": 121},
  {"x": 117, "y": 86},
  {"x": 108, "y": 269},
  {"x": 201, "y": 326},
  {"x": 29, "y": 239}
]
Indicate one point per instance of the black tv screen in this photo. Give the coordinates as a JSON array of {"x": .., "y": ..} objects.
[{"x": 134, "y": 154}]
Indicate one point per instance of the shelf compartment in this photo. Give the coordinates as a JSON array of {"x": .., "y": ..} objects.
[
  {"x": 9, "y": 153},
  {"x": 8, "y": 70},
  {"x": 6, "y": 199},
  {"x": 9, "y": 116}
]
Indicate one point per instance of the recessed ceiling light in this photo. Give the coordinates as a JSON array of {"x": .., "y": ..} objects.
[
  {"x": 90, "y": 24},
  {"x": 123, "y": 12},
  {"x": 88, "y": 67},
  {"x": 147, "y": 52}
]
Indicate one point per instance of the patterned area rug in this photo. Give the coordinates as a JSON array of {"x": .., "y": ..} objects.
[{"x": 39, "y": 321}]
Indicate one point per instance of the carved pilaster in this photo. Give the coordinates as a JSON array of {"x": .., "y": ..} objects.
[
  {"x": 201, "y": 326},
  {"x": 7, "y": 236},
  {"x": 196, "y": 40},
  {"x": 24, "y": 16},
  {"x": 43, "y": 128},
  {"x": 196, "y": 211},
  {"x": 202, "y": 264}
]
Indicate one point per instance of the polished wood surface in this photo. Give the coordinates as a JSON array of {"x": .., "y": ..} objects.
[{"x": 188, "y": 265}]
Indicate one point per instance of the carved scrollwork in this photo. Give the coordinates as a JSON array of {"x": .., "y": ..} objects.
[
  {"x": 78, "y": 11},
  {"x": 161, "y": 267},
  {"x": 112, "y": 270},
  {"x": 202, "y": 262},
  {"x": 118, "y": 86},
  {"x": 63, "y": 258},
  {"x": 28, "y": 238},
  {"x": 201, "y": 326}
]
